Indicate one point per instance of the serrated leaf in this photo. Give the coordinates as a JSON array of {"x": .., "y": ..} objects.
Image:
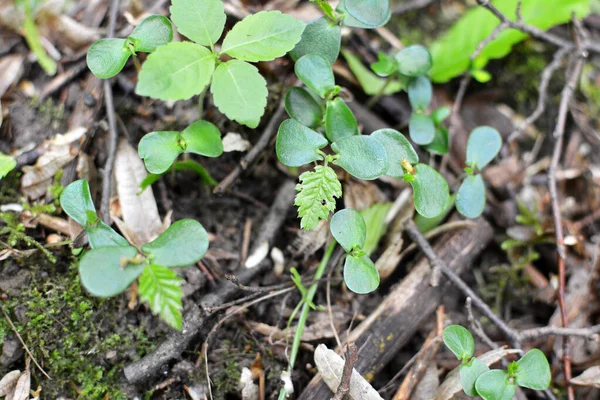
[
  {"x": 107, "y": 57},
  {"x": 76, "y": 201},
  {"x": 320, "y": 37},
  {"x": 483, "y": 145},
  {"x": 398, "y": 148},
  {"x": 184, "y": 243},
  {"x": 301, "y": 106},
  {"x": 469, "y": 373},
  {"x": 203, "y": 138},
  {"x": 470, "y": 198},
  {"x": 370, "y": 83},
  {"x": 240, "y": 92},
  {"x": 369, "y": 12},
  {"x": 161, "y": 288},
  {"x": 152, "y": 32},
  {"x": 159, "y": 150},
  {"x": 316, "y": 73},
  {"x": 413, "y": 61},
  {"x": 7, "y": 163},
  {"x": 102, "y": 235},
  {"x": 495, "y": 385},
  {"x": 349, "y": 229},
  {"x": 439, "y": 145},
  {"x": 316, "y": 196},
  {"x": 430, "y": 191},
  {"x": 362, "y": 156},
  {"x": 297, "y": 145},
  {"x": 176, "y": 71},
  {"x": 421, "y": 128},
  {"x": 533, "y": 371},
  {"x": 360, "y": 274},
  {"x": 460, "y": 341},
  {"x": 340, "y": 122},
  {"x": 200, "y": 20},
  {"x": 264, "y": 36},
  {"x": 419, "y": 93}
]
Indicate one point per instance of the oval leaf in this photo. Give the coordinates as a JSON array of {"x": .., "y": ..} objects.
[
  {"x": 203, "y": 138},
  {"x": 419, "y": 93},
  {"x": 385, "y": 65},
  {"x": 533, "y": 371},
  {"x": 297, "y": 145},
  {"x": 421, "y": 128},
  {"x": 107, "y": 57},
  {"x": 495, "y": 385},
  {"x": 369, "y": 12},
  {"x": 397, "y": 148},
  {"x": 351, "y": 21},
  {"x": 362, "y": 156},
  {"x": 349, "y": 229},
  {"x": 159, "y": 150},
  {"x": 201, "y": 21},
  {"x": 431, "y": 191},
  {"x": 360, "y": 274},
  {"x": 320, "y": 37},
  {"x": 469, "y": 374},
  {"x": 264, "y": 36},
  {"x": 340, "y": 122},
  {"x": 76, "y": 201},
  {"x": 151, "y": 32},
  {"x": 240, "y": 92},
  {"x": 176, "y": 71},
  {"x": 460, "y": 341},
  {"x": 315, "y": 72},
  {"x": 301, "y": 106},
  {"x": 483, "y": 145},
  {"x": 413, "y": 61},
  {"x": 102, "y": 235},
  {"x": 440, "y": 114},
  {"x": 183, "y": 244},
  {"x": 470, "y": 199},
  {"x": 102, "y": 273},
  {"x": 439, "y": 144}
]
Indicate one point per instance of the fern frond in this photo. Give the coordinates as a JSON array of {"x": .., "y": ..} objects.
[
  {"x": 161, "y": 288},
  {"x": 317, "y": 191}
]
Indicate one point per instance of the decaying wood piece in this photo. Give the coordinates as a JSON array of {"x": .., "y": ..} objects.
[{"x": 407, "y": 306}]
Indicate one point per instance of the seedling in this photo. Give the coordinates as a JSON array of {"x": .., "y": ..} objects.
[
  {"x": 531, "y": 371},
  {"x": 112, "y": 264}
]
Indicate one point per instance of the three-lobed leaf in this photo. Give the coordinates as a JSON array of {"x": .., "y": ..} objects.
[
  {"x": 320, "y": 37},
  {"x": 413, "y": 61},
  {"x": 495, "y": 385},
  {"x": 483, "y": 145},
  {"x": 303, "y": 107},
  {"x": 460, "y": 341},
  {"x": 315, "y": 72},
  {"x": 298, "y": 145},
  {"x": 183, "y": 243},
  {"x": 419, "y": 93},
  {"x": 107, "y": 57},
  {"x": 398, "y": 148},
  {"x": 349, "y": 229},
  {"x": 340, "y": 122},
  {"x": 316, "y": 196},
  {"x": 152, "y": 32},
  {"x": 421, "y": 128},
  {"x": 470, "y": 198},
  {"x": 469, "y": 373},
  {"x": 533, "y": 371},
  {"x": 360, "y": 274},
  {"x": 362, "y": 156},
  {"x": 161, "y": 288},
  {"x": 430, "y": 191},
  {"x": 200, "y": 20}
]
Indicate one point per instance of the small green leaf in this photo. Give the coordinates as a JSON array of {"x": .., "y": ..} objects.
[
  {"x": 360, "y": 274},
  {"x": 340, "y": 122},
  {"x": 362, "y": 156},
  {"x": 320, "y": 37},
  {"x": 495, "y": 385},
  {"x": 317, "y": 191},
  {"x": 385, "y": 65},
  {"x": 301, "y": 106},
  {"x": 370, "y": 83},
  {"x": 184, "y": 243},
  {"x": 469, "y": 373},
  {"x": 102, "y": 235},
  {"x": 440, "y": 114},
  {"x": 481, "y": 76},
  {"x": 460, "y": 341},
  {"x": 375, "y": 217},
  {"x": 421, "y": 128},
  {"x": 426, "y": 224},
  {"x": 440, "y": 144},
  {"x": 151, "y": 32},
  {"x": 483, "y": 145},
  {"x": 419, "y": 93},
  {"x": 203, "y": 138},
  {"x": 533, "y": 371},
  {"x": 76, "y": 201},
  {"x": 315, "y": 72},
  {"x": 33, "y": 38},
  {"x": 200, "y": 20},
  {"x": 161, "y": 288},
  {"x": 105, "y": 271},
  {"x": 397, "y": 148},
  {"x": 240, "y": 92},
  {"x": 176, "y": 71},
  {"x": 107, "y": 57},
  {"x": 297, "y": 145},
  {"x": 369, "y": 12},
  {"x": 431, "y": 191},
  {"x": 7, "y": 163},
  {"x": 264, "y": 36},
  {"x": 351, "y": 21},
  {"x": 349, "y": 229},
  {"x": 413, "y": 61},
  {"x": 470, "y": 198},
  {"x": 159, "y": 150}
]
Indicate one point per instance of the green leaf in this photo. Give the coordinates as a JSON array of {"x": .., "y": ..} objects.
[
  {"x": 297, "y": 145},
  {"x": 385, "y": 65},
  {"x": 495, "y": 385},
  {"x": 421, "y": 128},
  {"x": 7, "y": 163},
  {"x": 106, "y": 272},
  {"x": 320, "y": 37},
  {"x": 360, "y": 274},
  {"x": 315, "y": 72},
  {"x": 76, "y": 201},
  {"x": 161, "y": 288},
  {"x": 33, "y": 38},
  {"x": 440, "y": 144},
  {"x": 419, "y": 93},
  {"x": 151, "y": 32},
  {"x": 351, "y": 21},
  {"x": 469, "y": 373},
  {"x": 370, "y": 83},
  {"x": 362, "y": 156},
  {"x": 431, "y": 191},
  {"x": 470, "y": 199},
  {"x": 102, "y": 235},
  {"x": 203, "y": 138},
  {"x": 426, "y": 224},
  {"x": 176, "y": 71},
  {"x": 264, "y": 36},
  {"x": 451, "y": 52},
  {"x": 184, "y": 243},
  {"x": 301, "y": 106},
  {"x": 317, "y": 191},
  {"x": 533, "y": 371},
  {"x": 107, "y": 57},
  {"x": 481, "y": 75},
  {"x": 349, "y": 229},
  {"x": 483, "y": 145},
  {"x": 376, "y": 227},
  {"x": 413, "y": 61},
  {"x": 369, "y": 12},
  {"x": 460, "y": 341},
  {"x": 159, "y": 150},
  {"x": 398, "y": 148},
  {"x": 200, "y": 20},
  {"x": 440, "y": 114},
  {"x": 340, "y": 122},
  {"x": 240, "y": 92}
]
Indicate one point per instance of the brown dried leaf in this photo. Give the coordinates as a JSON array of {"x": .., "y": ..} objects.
[
  {"x": 362, "y": 195},
  {"x": 23, "y": 385},
  {"x": 8, "y": 382},
  {"x": 11, "y": 68},
  {"x": 590, "y": 378}
]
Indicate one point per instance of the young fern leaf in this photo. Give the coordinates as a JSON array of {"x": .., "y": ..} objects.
[
  {"x": 317, "y": 191},
  {"x": 161, "y": 288}
]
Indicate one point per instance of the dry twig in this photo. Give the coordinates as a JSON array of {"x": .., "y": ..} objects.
[{"x": 351, "y": 358}]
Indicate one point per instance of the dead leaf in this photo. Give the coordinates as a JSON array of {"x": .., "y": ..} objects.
[
  {"x": 8, "y": 382},
  {"x": 11, "y": 68},
  {"x": 426, "y": 388},
  {"x": 590, "y": 378},
  {"x": 247, "y": 386},
  {"x": 23, "y": 385},
  {"x": 362, "y": 195},
  {"x": 233, "y": 141}
]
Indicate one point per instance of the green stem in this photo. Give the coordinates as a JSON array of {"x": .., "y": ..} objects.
[{"x": 201, "y": 103}]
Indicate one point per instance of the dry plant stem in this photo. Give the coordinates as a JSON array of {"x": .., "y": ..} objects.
[
  {"x": 351, "y": 358},
  {"x": 545, "y": 331},
  {"x": 476, "y": 326}
]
